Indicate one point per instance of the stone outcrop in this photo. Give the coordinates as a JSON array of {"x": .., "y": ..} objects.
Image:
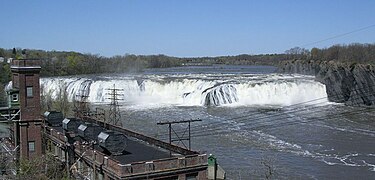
[{"x": 352, "y": 84}]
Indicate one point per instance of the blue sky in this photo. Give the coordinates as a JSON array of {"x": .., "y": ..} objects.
[{"x": 183, "y": 28}]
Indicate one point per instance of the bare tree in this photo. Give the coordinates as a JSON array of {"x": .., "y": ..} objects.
[
  {"x": 62, "y": 102},
  {"x": 45, "y": 167},
  {"x": 46, "y": 99}
]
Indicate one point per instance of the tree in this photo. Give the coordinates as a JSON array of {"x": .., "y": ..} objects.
[
  {"x": 4, "y": 73},
  {"x": 61, "y": 102},
  {"x": 2, "y": 96},
  {"x": 314, "y": 53},
  {"x": 24, "y": 53},
  {"x": 14, "y": 53},
  {"x": 332, "y": 53},
  {"x": 46, "y": 101},
  {"x": 45, "y": 167},
  {"x": 297, "y": 53},
  {"x": 2, "y": 52}
]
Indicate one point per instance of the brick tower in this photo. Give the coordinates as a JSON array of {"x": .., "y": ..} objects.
[{"x": 27, "y": 130}]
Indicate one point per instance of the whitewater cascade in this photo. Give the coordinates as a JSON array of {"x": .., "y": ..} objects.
[{"x": 195, "y": 91}]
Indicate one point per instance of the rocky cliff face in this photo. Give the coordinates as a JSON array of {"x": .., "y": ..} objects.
[{"x": 350, "y": 84}]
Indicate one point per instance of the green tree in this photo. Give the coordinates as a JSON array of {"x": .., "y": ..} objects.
[
  {"x": 14, "y": 53},
  {"x": 2, "y": 96},
  {"x": 2, "y": 52},
  {"x": 4, "y": 73}
]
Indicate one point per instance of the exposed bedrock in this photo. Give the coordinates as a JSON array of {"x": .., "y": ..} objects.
[{"x": 352, "y": 84}]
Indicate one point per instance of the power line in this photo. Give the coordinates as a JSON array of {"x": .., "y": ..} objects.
[
  {"x": 339, "y": 35},
  {"x": 255, "y": 118},
  {"x": 289, "y": 123},
  {"x": 280, "y": 122},
  {"x": 307, "y": 103},
  {"x": 241, "y": 118},
  {"x": 257, "y": 113}
]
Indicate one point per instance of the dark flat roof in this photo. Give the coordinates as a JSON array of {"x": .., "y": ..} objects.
[
  {"x": 136, "y": 150},
  {"x": 141, "y": 151}
]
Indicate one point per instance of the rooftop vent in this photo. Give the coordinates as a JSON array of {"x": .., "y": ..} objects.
[
  {"x": 71, "y": 124},
  {"x": 89, "y": 131},
  {"x": 113, "y": 142},
  {"x": 54, "y": 118}
]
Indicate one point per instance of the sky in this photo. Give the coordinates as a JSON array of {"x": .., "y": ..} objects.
[{"x": 189, "y": 28}]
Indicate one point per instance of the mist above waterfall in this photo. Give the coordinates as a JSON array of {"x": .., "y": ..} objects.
[{"x": 195, "y": 89}]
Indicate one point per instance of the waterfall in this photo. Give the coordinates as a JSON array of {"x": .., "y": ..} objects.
[
  {"x": 195, "y": 91},
  {"x": 218, "y": 95}
]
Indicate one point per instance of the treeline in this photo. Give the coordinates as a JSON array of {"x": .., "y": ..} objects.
[
  {"x": 352, "y": 53},
  {"x": 73, "y": 63},
  {"x": 61, "y": 63},
  {"x": 243, "y": 59}
]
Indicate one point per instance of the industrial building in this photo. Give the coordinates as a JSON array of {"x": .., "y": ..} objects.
[{"x": 89, "y": 147}]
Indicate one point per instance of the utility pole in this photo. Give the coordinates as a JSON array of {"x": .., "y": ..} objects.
[
  {"x": 114, "y": 110},
  {"x": 179, "y": 138},
  {"x": 100, "y": 115},
  {"x": 81, "y": 105}
]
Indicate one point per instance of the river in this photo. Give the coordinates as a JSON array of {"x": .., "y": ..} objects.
[{"x": 255, "y": 121}]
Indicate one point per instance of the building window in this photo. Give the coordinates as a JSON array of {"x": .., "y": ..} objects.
[
  {"x": 31, "y": 146},
  {"x": 29, "y": 91},
  {"x": 14, "y": 97}
]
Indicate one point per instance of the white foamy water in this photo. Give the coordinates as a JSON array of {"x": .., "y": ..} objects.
[{"x": 195, "y": 90}]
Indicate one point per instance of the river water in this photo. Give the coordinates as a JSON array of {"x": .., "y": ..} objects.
[{"x": 255, "y": 121}]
